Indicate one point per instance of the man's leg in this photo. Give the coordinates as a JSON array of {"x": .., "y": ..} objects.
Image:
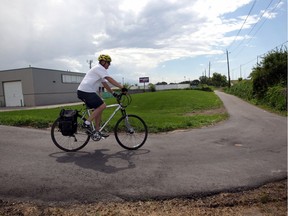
[{"x": 96, "y": 115}]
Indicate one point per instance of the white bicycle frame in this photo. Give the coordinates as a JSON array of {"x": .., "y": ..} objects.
[{"x": 88, "y": 111}]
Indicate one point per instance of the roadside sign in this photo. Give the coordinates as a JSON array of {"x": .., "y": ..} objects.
[{"x": 144, "y": 79}]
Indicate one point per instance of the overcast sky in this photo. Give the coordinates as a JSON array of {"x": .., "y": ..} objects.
[{"x": 166, "y": 40}]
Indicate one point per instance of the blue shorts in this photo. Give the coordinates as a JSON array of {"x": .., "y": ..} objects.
[{"x": 91, "y": 99}]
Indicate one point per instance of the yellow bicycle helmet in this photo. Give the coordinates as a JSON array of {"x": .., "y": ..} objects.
[{"x": 103, "y": 57}]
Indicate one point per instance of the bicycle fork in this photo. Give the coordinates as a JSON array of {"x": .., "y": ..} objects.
[{"x": 130, "y": 129}]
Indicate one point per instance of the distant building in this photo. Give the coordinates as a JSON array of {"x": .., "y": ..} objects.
[
  {"x": 37, "y": 86},
  {"x": 171, "y": 86}
]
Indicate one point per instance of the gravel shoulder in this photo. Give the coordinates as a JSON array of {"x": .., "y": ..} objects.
[{"x": 269, "y": 199}]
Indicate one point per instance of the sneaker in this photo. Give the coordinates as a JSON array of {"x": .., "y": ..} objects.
[
  {"x": 87, "y": 127},
  {"x": 98, "y": 134},
  {"x": 102, "y": 134}
]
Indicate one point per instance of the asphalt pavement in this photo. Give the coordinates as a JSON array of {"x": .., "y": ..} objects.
[{"x": 246, "y": 151}]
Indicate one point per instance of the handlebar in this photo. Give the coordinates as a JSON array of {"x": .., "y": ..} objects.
[{"x": 124, "y": 99}]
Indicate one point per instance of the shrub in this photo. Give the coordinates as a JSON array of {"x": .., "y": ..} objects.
[
  {"x": 271, "y": 71},
  {"x": 204, "y": 87},
  {"x": 152, "y": 87},
  {"x": 276, "y": 97},
  {"x": 242, "y": 89}
]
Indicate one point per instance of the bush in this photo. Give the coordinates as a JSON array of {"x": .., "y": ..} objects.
[
  {"x": 276, "y": 97},
  {"x": 268, "y": 82},
  {"x": 271, "y": 71},
  {"x": 204, "y": 88},
  {"x": 242, "y": 89},
  {"x": 152, "y": 87}
]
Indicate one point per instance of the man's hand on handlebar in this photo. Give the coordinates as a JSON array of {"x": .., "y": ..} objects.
[
  {"x": 119, "y": 95},
  {"x": 124, "y": 90}
]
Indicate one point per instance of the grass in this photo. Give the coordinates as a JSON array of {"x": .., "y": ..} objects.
[
  {"x": 167, "y": 110},
  {"x": 162, "y": 111}
]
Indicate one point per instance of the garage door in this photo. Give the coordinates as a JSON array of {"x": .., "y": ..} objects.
[{"x": 13, "y": 94}]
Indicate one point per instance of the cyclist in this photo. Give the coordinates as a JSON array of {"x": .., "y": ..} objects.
[{"x": 88, "y": 91}]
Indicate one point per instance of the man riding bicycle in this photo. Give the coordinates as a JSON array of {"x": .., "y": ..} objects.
[{"x": 87, "y": 91}]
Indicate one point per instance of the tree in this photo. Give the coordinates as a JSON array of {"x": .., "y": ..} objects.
[
  {"x": 219, "y": 80},
  {"x": 161, "y": 83},
  {"x": 195, "y": 82},
  {"x": 152, "y": 87},
  {"x": 271, "y": 71},
  {"x": 185, "y": 82},
  {"x": 204, "y": 80}
]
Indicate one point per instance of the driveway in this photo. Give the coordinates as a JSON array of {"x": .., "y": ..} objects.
[{"x": 246, "y": 151}]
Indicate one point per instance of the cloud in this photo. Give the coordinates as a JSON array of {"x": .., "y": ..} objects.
[{"x": 139, "y": 35}]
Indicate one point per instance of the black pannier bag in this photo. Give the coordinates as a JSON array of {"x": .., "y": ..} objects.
[{"x": 68, "y": 122}]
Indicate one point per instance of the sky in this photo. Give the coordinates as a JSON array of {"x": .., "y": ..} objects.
[{"x": 166, "y": 40}]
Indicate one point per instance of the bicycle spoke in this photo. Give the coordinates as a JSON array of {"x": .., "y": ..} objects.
[
  {"x": 69, "y": 143},
  {"x": 131, "y": 132}
]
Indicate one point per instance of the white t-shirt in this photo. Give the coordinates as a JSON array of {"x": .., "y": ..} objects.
[{"x": 93, "y": 79}]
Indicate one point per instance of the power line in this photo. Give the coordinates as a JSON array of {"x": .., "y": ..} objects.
[
  {"x": 244, "y": 22},
  {"x": 259, "y": 19},
  {"x": 264, "y": 21},
  {"x": 252, "y": 37},
  {"x": 281, "y": 45},
  {"x": 255, "y": 24},
  {"x": 261, "y": 16}
]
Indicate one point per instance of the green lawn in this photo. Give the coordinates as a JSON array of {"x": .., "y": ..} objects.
[{"x": 162, "y": 111}]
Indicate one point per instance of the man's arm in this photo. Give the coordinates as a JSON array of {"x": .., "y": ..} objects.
[
  {"x": 106, "y": 86},
  {"x": 113, "y": 82}
]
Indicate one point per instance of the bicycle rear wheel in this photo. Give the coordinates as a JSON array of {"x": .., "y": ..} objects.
[
  {"x": 69, "y": 143},
  {"x": 131, "y": 132}
]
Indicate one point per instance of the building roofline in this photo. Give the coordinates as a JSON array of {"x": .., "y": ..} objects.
[{"x": 17, "y": 69}]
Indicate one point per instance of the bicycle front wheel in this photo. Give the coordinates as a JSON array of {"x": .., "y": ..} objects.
[
  {"x": 69, "y": 143},
  {"x": 131, "y": 132}
]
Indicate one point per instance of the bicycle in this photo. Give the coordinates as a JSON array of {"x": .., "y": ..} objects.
[{"x": 130, "y": 130}]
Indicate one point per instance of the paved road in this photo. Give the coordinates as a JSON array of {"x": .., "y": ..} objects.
[{"x": 248, "y": 150}]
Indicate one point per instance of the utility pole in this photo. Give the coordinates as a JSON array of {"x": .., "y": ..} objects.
[
  {"x": 90, "y": 63},
  {"x": 229, "y": 81},
  {"x": 209, "y": 69}
]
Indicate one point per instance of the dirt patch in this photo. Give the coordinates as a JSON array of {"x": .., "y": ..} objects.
[{"x": 270, "y": 199}]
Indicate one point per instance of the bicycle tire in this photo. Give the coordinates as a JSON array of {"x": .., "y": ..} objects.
[
  {"x": 69, "y": 143},
  {"x": 131, "y": 132}
]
